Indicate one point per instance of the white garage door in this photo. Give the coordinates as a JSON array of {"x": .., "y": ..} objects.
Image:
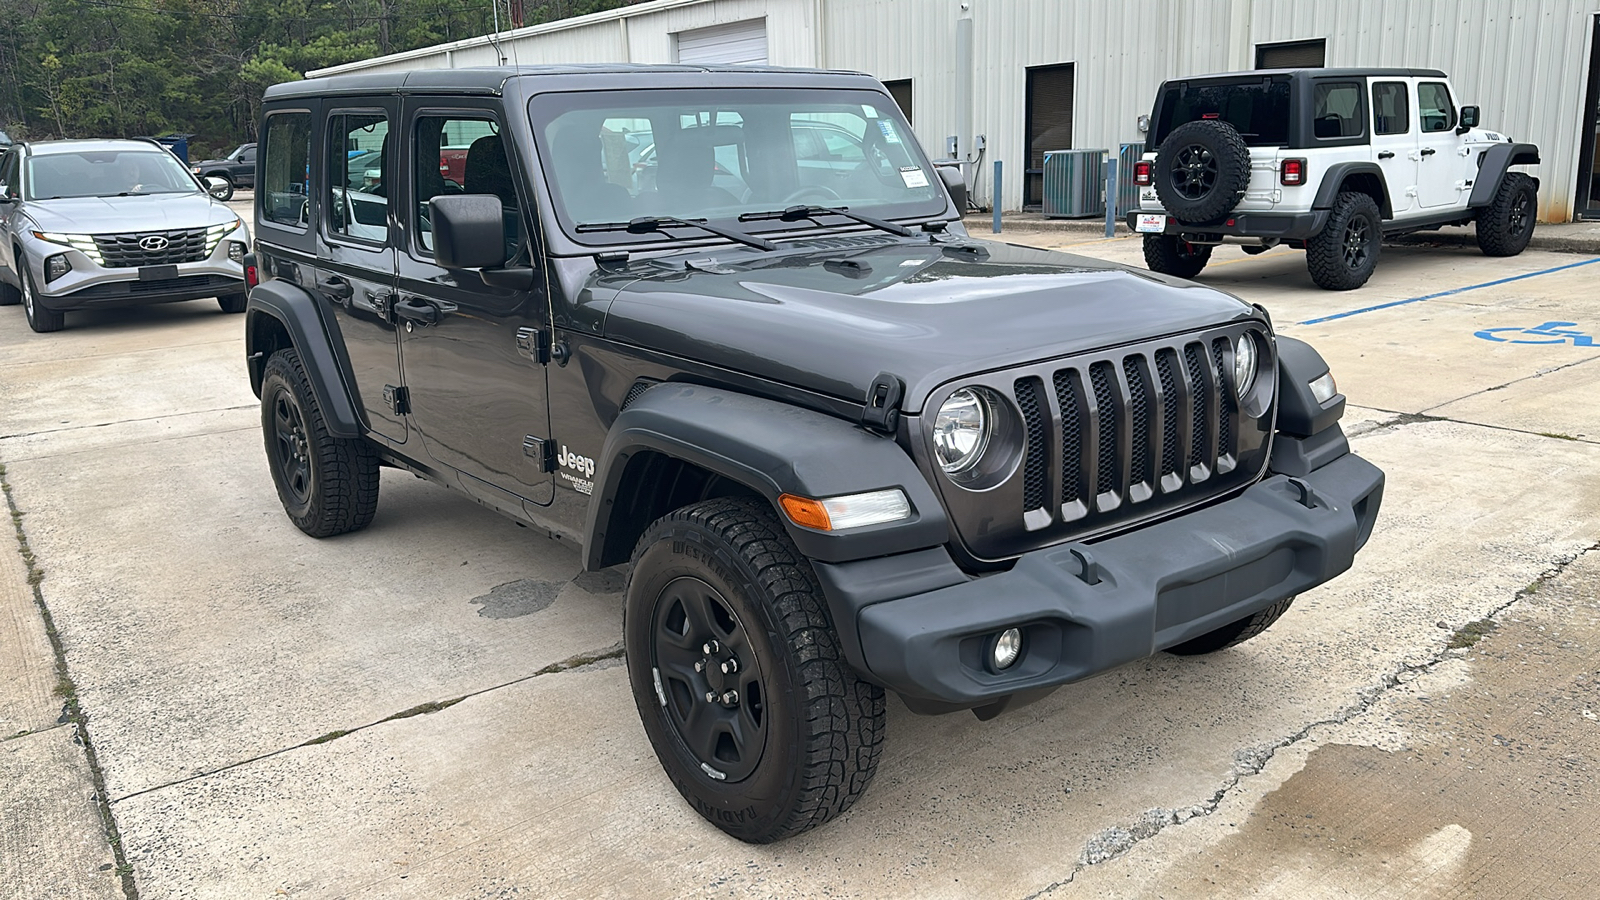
[{"x": 734, "y": 44}]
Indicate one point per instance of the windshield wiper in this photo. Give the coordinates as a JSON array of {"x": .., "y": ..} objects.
[
  {"x": 801, "y": 213},
  {"x": 652, "y": 224}
]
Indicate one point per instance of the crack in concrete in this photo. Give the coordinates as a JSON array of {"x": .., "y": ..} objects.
[
  {"x": 192, "y": 412},
  {"x": 576, "y": 662},
  {"x": 73, "y": 713},
  {"x": 1118, "y": 840},
  {"x": 1500, "y": 387},
  {"x": 1402, "y": 419}
]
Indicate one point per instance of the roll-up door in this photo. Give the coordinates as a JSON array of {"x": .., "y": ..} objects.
[
  {"x": 733, "y": 44},
  {"x": 1049, "y": 123}
]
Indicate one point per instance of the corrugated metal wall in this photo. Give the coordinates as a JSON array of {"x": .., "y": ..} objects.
[{"x": 1524, "y": 61}]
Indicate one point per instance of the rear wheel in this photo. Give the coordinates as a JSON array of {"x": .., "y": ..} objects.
[
  {"x": 10, "y": 295},
  {"x": 738, "y": 676},
  {"x": 328, "y": 485},
  {"x": 40, "y": 319},
  {"x": 1233, "y": 632},
  {"x": 1172, "y": 255},
  {"x": 1506, "y": 225},
  {"x": 1343, "y": 255}
]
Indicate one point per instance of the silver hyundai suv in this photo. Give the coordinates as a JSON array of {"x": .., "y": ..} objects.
[{"x": 98, "y": 224}]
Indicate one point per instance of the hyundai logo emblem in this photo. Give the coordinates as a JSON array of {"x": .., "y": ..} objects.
[{"x": 153, "y": 243}]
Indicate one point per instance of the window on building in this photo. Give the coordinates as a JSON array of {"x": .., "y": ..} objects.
[
  {"x": 1435, "y": 110},
  {"x": 286, "y": 145},
  {"x": 1049, "y": 124},
  {"x": 1336, "y": 109},
  {"x": 901, "y": 92},
  {"x": 1391, "y": 109},
  {"x": 357, "y": 204},
  {"x": 1292, "y": 55}
]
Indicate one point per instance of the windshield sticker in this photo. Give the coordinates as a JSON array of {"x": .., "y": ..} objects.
[
  {"x": 914, "y": 177},
  {"x": 887, "y": 127},
  {"x": 870, "y": 110}
]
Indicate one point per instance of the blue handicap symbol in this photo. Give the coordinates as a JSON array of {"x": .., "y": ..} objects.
[{"x": 1548, "y": 333}]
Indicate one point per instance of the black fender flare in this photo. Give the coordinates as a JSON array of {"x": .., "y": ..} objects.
[
  {"x": 1493, "y": 166},
  {"x": 1335, "y": 177},
  {"x": 1299, "y": 413},
  {"x": 772, "y": 448},
  {"x": 296, "y": 311}
]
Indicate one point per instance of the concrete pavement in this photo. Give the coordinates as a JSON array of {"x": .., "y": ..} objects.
[{"x": 434, "y": 707}]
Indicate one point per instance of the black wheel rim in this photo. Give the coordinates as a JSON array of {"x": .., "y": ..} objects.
[
  {"x": 1521, "y": 214},
  {"x": 291, "y": 446},
  {"x": 709, "y": 680},
  {"x": 1194, "y": 172},
  {"x": 1357, "y": 235}
]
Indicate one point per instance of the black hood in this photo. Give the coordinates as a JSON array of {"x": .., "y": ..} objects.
[{"x": 830, "y": 319}]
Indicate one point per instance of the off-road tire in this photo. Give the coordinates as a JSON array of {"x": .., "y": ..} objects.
[
  {"x": 1343, "y": 255},
  {"x": 233, "y": 303},
  {"x": 1506, "y": 225},
  {"x": 1233, "y": 632},
  {"x": 820, "y": 727},
  {"x": 1172, "y": 255},
  {"x": 328, "y": 485},
  {"x": 1202, "y": 170},
  {"x": 40, "y": 319}
]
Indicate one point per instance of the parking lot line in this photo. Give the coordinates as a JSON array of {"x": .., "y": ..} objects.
[{"x": 1459, "y": 290}]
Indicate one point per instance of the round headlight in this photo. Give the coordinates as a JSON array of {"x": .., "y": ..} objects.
[
  {"x": 1244, "y": 364},
  {"x": 961, "y": 430}
]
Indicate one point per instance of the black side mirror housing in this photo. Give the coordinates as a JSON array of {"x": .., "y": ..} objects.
[
  {"x": 954, "y": 181},
  {"x": 1469, "y": 119},
  {"x": 469, "y": 231}
]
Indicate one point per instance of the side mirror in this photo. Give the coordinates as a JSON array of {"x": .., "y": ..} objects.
[
  {"x": 469, "y": 231},
  {"x": 954, "y": 182},
  {"x": 1469, "y": 119}
]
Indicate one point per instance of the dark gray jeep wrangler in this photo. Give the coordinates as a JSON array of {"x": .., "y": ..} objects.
[{"x": 725, "y": 325}]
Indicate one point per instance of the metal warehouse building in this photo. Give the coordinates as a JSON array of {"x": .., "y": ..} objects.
[{"x": 1011, "y": 79}]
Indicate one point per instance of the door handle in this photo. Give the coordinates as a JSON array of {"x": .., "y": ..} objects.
[
  {"x": 1387, "y": 154},
  {"x": 1429, "y": 152},
  {"x": 336, "y": 288},
  {"x": 421, "y": 311}
]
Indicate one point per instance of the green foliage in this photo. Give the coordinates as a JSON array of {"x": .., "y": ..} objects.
[{"x": 123, "y": 68}]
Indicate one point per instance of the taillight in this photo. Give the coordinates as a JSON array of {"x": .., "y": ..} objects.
[
  {"x": 252, "y": 277},
  {"x": 1292, "y": 172},
  {"x": 1143, "y": 174}
]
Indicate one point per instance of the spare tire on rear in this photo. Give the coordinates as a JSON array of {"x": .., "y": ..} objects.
[{"x": 1202, "y": 170}]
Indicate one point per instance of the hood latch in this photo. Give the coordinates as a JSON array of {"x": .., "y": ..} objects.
[{"x": 882, "y": 412}]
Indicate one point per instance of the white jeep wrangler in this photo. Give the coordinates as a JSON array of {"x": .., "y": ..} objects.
[{"x": 1327, "y": 160}]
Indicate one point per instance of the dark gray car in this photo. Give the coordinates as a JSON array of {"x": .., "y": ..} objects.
[{"x": 98, "y": 224}]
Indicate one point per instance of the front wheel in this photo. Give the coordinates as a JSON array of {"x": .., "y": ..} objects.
[
  {"x": 219, "y": 188},
  {"x": 1172, "y": 255},
  {"x": 738, "y": 676},
  {"x": 1506, "y": 225},
  {"x": 1234, "y": 632},
  {"x": 233, "y": 303},
  {"x": 328, "y": 485},
  {"x": 1342, "y": 256},
  {"x": 40, "y": 318}
]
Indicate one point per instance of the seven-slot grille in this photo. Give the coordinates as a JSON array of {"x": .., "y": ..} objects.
[
  {"x": 123, "y": 251},
  {"x": 1116, "y": 437}
]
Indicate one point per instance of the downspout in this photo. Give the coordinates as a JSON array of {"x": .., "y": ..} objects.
[{"x": 962, "y": 141}]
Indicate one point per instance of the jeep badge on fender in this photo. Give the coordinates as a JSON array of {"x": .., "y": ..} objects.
[{"x": 843, "y": 447}]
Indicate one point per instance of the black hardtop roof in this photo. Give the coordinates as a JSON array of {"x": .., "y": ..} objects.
[
  {"x": 1349, "y": 72},
  {"x": 492, "y": 79}
]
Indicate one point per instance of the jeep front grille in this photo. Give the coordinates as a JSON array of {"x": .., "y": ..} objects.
[
  {"x": 1113, "y": 438},
  {"x": 123, "y": 251}
]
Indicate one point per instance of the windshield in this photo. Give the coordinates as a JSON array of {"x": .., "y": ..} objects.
[
  {"x": 718, "y": 154},
  {"x": 1258, "y": 110},
  {"x": 106, "y": 173}
]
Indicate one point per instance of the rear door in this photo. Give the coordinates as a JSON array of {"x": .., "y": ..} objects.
[
  {"x": 355, "y": 258},
  {"x": 245, "y": 176},
  {"x": 475, "y": 379},
  {"x": 1394, "y": 142}
]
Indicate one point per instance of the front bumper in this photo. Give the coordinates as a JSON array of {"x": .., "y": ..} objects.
[
  {"x": 88, "y": 285},
  {"x": 1144, "y": 591},
  {"x": 1276, "y": 226}
]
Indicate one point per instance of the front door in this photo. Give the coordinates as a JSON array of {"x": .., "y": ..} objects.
[
  {"x": 1438, "y": 159},
  {"x": 474, "y": 378},
  {"x": 1394, "y": 143},
  {"x": 356, "y": 257}
]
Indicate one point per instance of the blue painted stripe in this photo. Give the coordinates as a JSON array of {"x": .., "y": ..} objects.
[{"x": 1459, "y": 290}]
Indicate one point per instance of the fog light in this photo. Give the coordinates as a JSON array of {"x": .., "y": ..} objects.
[
  {"x": 1007, "y": 647},
  {"x": 236, "y": 251},
  {"x": 55, "y": 267}
]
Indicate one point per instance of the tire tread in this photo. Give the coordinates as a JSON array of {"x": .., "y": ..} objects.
[{"x": 345, "y": 495}]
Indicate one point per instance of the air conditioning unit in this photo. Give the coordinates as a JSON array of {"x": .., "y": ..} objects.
[{"x": 1074, "y": 183}]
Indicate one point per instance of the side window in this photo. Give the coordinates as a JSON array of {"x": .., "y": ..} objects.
[
  {"x": 1337, "y": 110},
  {"x": 357, "y": 204},
  {"x": 248, "y": 156},
  {"x": 286, "y": 145},
  {"x": 1435, "y": 110},
  {"x": 462, "y": 155},
  {"x": 1391, "y": 109}
]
